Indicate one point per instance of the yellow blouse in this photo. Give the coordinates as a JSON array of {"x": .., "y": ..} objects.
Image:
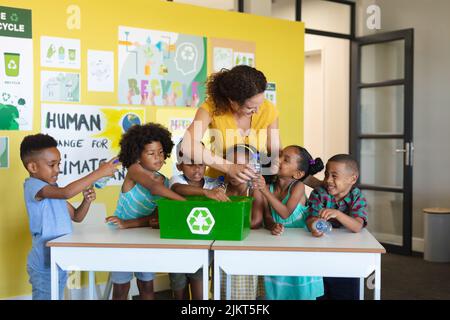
[{"x": 224, "y": 132}]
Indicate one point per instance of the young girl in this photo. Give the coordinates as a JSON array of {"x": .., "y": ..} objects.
[
  {"x": 246, "y": 287},
  {"x": 287, "y": 208},
  {"x": 143, "y": 150}
]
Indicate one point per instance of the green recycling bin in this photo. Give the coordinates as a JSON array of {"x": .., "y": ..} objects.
[
  {"x": 200, "y": 218},
  {"x": 12, "y": 64}
]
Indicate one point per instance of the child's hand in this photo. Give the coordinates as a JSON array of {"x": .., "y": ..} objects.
[
  {"x": 217, "y": 194},
  {"x": 119, "y": 223},
  {"x": 314, "y": 232},
  {"x": 108, "y": 169},
  {"x": 259, "y": 183},
  {"x": 89, "y": 195},
  {"x": 154, "y": 222},
  {"x": 277, "y": 229},
  {"x": 328, "y": 214}
]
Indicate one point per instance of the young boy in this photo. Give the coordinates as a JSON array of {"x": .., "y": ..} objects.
[
  {"x": 49, "y": 213},
  {"x": 192, "y": 182},
  {"x": 342, "y": 204}
]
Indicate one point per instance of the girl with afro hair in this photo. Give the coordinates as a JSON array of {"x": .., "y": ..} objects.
[{"x": 143, "y": 151}]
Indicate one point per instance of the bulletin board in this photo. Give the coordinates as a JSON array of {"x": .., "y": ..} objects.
[{"x": 98, "y": 67}]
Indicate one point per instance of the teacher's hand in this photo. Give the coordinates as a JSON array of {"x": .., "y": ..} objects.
[{"x": 241, "y": 172}]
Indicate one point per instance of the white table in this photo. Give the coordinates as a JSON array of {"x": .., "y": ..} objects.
[
  {"x": 297, "y": 253},
  {"x": 102, "y": 248}
]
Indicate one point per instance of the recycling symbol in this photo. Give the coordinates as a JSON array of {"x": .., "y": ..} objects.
[
  {"x": 14, "y": 17},
  {"x": 188, "y": 53},
  {"x": 200, "y": 221},
  {"x": 12, "y": 65}
]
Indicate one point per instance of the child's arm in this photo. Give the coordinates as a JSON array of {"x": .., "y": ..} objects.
[
  {"x": 275, "y": 228},
  {"x": 315, "y": 205},
  {"x": 53, "y": 192},
  {"x": 127, "y": 224},
  {"x": 353, "y": 224},
  {"x": 284, "y": 211},
  {"x": 313, "y": 182},
  {"x": 257, "y": 210},
  {"x": 78, "y": 214},
  {"x": 188, "y": 190},
  {"x": 150, "y": 182}
]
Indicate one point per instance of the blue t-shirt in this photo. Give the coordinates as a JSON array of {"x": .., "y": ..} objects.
[{"x": 49, "y": 219}]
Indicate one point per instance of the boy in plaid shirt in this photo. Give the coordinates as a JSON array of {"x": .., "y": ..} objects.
[{"x": 342, "y": 204}]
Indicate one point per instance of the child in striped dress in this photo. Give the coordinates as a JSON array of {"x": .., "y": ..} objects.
[
  {"x": 287, "y": 209},
  {"x": 144, "y": 148}
]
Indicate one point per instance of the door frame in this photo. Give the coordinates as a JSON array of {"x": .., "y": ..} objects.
[{"x": 355, "y": 124}]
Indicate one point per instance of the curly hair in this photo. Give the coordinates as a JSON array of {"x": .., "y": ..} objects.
[
  {"x": 238, "y": 85},
  {"x": 134, "y": 140},
  {"x": 34, "y": 144}
]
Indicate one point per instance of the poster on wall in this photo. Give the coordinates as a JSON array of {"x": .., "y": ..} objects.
[
  {"x": 100, "y": 71},
  {"x": 271, "y": 92},
  {"x": 4, "y": 152},
  {"x": 227, "y": 53},
  {"x": 16, "y": 69},
  {"x": 60, "y": 86},
  {"x": 178, "y": 127},
  {"x": 87, "y": 135},
  {"x": 60, "y": 53},
  {"x": 159, "y": 68}
]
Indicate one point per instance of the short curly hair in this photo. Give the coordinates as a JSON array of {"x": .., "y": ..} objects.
[
  {"x": 32, "y": 145},
  {"x": 133, "y": 142},
  {"x": 238, "y": 85}
]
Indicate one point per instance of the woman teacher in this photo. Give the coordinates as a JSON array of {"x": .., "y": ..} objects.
[{"x": 235, "y": 112}]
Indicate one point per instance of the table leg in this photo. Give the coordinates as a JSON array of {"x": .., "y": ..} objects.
[
  {"x": 362, "y": 283},
  {"x": 54, "y": 278},
  {"x": 91, "y": 285},
  {"x": 377, "y": 291},
  {"x": 206, "y": 277},
  {"x": 228, "y": 292},
  {"x": 216, "y": 279}
]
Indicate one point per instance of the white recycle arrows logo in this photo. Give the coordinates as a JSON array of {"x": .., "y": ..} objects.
[{"x": 200, "y": 221}]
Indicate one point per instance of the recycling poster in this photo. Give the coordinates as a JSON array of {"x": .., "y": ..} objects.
[
  {"x": 16, "y": 69},
  {"x": 159, "y": 68}
]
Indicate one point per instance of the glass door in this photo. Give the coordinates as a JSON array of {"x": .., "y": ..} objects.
[{"x": 382, "y": 131}]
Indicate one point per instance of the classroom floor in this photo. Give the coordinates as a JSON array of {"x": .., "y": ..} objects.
[{"x": 404, "y": 278}]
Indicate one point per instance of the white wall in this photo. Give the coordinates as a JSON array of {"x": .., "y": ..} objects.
[
  {"x": 430, "y": 20},
  {"x": 335, "y": 116}
]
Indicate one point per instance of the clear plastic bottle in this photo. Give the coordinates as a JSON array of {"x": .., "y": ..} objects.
[
  {"x": 322, "y": 225},
  {"x": 221, "y": 183},
  {"x": 102, "y": 182},
  {"x": 256, "y": 165}
]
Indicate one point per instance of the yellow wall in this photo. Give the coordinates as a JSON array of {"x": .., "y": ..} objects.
[{"x": 279, "y": 54}]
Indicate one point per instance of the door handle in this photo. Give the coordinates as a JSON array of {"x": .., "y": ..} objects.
[{"x": 409, "y": 152}]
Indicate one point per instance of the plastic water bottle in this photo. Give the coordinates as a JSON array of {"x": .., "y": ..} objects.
[
  {"x": 256, "y": 165},
  {"x": 322, "y": 225},
  {"x": 101, "y": 183},
  {"x": 221, "y": 182}
]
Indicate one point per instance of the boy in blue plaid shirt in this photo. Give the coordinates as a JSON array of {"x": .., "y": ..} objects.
[{"x": 342, "y": 204}]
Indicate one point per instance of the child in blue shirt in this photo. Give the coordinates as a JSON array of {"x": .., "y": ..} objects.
[
  {"x": 143, "y": 151},
  {"x": 50, "y": 215},
  {"x": 287, "y": 209}
]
